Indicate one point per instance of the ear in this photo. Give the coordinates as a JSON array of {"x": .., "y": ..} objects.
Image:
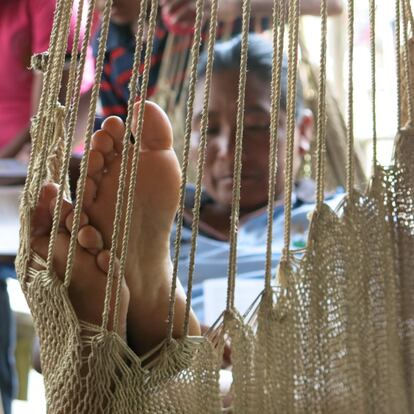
[{"x": 305, "y": 127}]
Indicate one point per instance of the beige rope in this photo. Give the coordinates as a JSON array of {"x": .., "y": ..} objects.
[
  {"x": 234, "y": 221},
  {"x": 372, "y": 19},
  {"x": 55, "y": 67},
  {"x": 407, "y": 66},
  {"x": 350, "y": 129},
  {"x": 321, "y": 137},
  {"x": 409, "y": 14},
  {"x": 279, "y": 11},
  {"x": 290, "y": 135},
  {"x": 195, "y": 54},
  {"x": 135, "y": 160},
  {"x": 123, "y": 169},
  {"x": 201, "y": 156},
  {"x": 46, "y": 83},
  {"x": 398, "y": 59},
  {"x": 89, "y": 129},
  {"x": 57, "y": 26},
  {"x": 39, "y": 123},
  {"x": 71, "y": 101}
]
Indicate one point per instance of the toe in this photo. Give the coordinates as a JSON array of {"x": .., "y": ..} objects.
[
  {"x": 96, "y": 165},
  {"x": 42, "y": 220},
  {"x": 41, "y": 245},
  {"x": 65, "y": 210},
  {"x": 102, "y": 260},
  {"x": 104, "y": 143},
  {"x": 89, "y": 194},
  {"x": 90, "y": 239},
  {"x": 115, "y": 127},
  {"x": 157, "y": 132},
  {"x": 84, "y": 220}
]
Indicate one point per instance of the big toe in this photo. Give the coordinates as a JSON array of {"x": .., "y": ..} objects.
[{"x": 156, "y": 132}]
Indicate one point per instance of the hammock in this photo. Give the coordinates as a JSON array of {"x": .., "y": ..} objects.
[{"x": 335, "y": 334}]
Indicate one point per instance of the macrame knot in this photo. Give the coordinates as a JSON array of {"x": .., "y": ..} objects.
[
  {"x": 39, "y": 61},
  {"x": 282, "y": 271}
]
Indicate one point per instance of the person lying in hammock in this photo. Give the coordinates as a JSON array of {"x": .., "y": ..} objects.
[{"x": 145, "y": 291}]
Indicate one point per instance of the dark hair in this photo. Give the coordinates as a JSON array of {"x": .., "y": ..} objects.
[{"x": 259, "y": 61}]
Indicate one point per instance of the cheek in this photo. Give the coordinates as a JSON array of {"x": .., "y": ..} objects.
[{"x": 193, "y": 154}]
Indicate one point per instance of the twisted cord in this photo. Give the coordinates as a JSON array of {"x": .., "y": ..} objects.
[
  {"x": 34, "y": 173},
  {"x": 235, "y": 211},
  {"x": 89, "y": 129},
  {"x": 133, "y": 84},
  {"x": 291, "y": 105},
  {"x": 372, "y": 19},
  {"x": 71, "y": 100},
  {"x": 398, "y": 59},
  {"x": 321, "y": 122},
  {"x": 409, "y": 14},
  {"x": 55, "y": 67},
  {"x": 201, "y": 157},
  {"x": 195, "y": 54},
  {"x": 279, "y": 10},
  {"x": 135, "y": 159},
  {"x": 37, "y": 126},
  {"x": 350, "y": 129},
  {"x": 407, "y": 65}
]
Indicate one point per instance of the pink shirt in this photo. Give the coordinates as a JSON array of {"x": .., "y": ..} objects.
[{"x": 25, "y": 27}]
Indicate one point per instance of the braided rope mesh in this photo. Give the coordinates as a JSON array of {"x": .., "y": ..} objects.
[
  {"x": 401, "y": 184},
  {"x": 335, "y": 337},
  {"x": 86, "y": 368}
]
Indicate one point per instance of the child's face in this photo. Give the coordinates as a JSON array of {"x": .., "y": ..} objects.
[
  {"x": 123, "y": 11},
  {"x": 221, "y": 135}
]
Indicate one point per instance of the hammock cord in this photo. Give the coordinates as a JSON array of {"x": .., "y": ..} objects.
[
  {"x": 398, "y": 59},
  {"x": 55, "y": 68},
  {"x": 137, "y": 133},
  {"x": 372, "y": 20},
  {"x": 42, "y": 128},
  {"x": 133, "y": 89},
  {"x": 35, "y": 128},
  {"x": 201, "y": 156},
  {"x": 406, "y": 56},
  {"x": 350, "y": 113},
  {"x": 290, "y": 136},
  {"x": 279, "y": 16},
  {"x": 72, "y": 103},
  {"x": 234, "y": 221},
  {"x": 409, "y": 14},
  {"x": 321, "y": 122},
  {"x": 195, "y": 54},
  {"x": 89, "y": 129}
]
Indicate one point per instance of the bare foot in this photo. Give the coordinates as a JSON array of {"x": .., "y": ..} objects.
[
  {"x": 148, "y": 267},
  {"x": 90, "y": 264}
]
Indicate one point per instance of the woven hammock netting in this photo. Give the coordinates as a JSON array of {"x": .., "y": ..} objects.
[{"x": 332, "y": 330}]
